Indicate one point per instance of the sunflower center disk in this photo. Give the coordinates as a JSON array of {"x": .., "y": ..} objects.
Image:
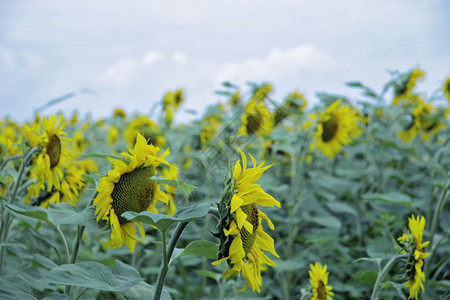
[
  {"x": 134, "y": 192},
  {"x": 321, "y": 291},
  {"x": 253, "y": 123},
  {"x": 248, "y": 239},
  {"x": 53, "y": 149},
  {"x": 330, "y": 128}
]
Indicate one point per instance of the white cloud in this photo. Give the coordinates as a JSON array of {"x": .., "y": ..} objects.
[
  {"x": 179, "y": 58},
  {"x": 277, "y": 65},
  {"x": 151, "y": 56},
  {"x": 121, "y": 72}
]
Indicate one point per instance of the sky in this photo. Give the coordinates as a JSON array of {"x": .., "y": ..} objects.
[{"x": 129, "y": 53}]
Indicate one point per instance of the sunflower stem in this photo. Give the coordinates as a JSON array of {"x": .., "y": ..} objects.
[
  {"x": 8, "y": 159},
  {"x": 437, "y": 213},
  {"x": 6, "y": 218},
  {"x": 167, "y": 254},
  {"x": 383, "y": 273},
  {"x": 66, "y": 246}
]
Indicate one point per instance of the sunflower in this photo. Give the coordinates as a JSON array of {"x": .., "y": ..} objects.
[
  {"x": 170, "y": 173},
  {"x": 71, "y": 186},
  {"x": 128, "y": 187},
  {"x": 318, "y": 277},
  {"x": 446, "y": 88},
  {"x": 9, "y": 140},
  {"x": 119, "y": 113},
  {"x": 55, "y": 154},
  {"x": 424, "y": 118},
  {"x": 403, "y": 90},
  {"x": 243, "y": 240},
  {"x": 256, "y": 119},
  {"x": 113, "y": 135},
  {"x": 171, "y": 103},
  {"x": 412, "y": 245},
  {"x": 337, "y": 126},
  {"x": 146, "y": 127}
]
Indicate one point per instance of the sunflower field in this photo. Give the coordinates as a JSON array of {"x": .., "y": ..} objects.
[{"x": 259, "y": 198}]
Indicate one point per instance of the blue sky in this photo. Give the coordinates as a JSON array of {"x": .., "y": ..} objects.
[{"x": 130, "y": 53}]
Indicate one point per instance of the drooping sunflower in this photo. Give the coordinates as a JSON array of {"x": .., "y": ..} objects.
[
  {"x": 318, "y": 278},
  {"x": 55, "y": 154},
  {"x": 336, "y": 126},
  {"x": 412, "y": 244},
  {"x": 146, "y": 127},
  {"x": 71, "y": 186},
  {"x": 171, "y": 103},
  {"x": 128, "y": 187},
  {"x": 243, "y": 239},
  {"x": 256, "y": 119},
  {"x": 406, "y": 82}
]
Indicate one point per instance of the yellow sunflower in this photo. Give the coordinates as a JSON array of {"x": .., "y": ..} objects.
[
  {"x": 146, "y": 127},
  {"x": 128, "y": 187},
  {"x": 243, "y": 240},
  {"x": 55, "y": 154},
  {"x": 9, "y": 141},
  {"x": 404, "y": 89},
  {"x": 446, "y": 88},
  {"x": 318, "y": 277},
  {"x": 337, "y": 126},
  {"x": 71, "y": 186},
  {"x": 113, "y": 135},
  {"x": 411, "y": 242},
  {"x": 256, "y": 119},
  {"x": 171, "y": 103},
  {"x": 170, "y": 173},
  {"x": 120, "y": 113}
]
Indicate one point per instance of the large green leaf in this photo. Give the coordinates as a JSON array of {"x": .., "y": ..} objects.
[
  {"x": 201, "y": 248},
  {"x": 93, "y": 275},
  {"x": 391, "y": 198},
  {"x": 34, "y": 212},
  {"x": 186, "y": 188},
  {"x": 13, "y": 288},
  {"x": 163, "y": 222},
  {"x": 64, "y": 213}
]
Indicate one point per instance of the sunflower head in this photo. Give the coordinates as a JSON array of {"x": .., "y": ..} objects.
[
  {"x": 446, "y": 88},
  {"x": 240, "y": 229},
  {"x": 318, "y": 278},
  {"x": 336, "y": 126},
  {"x": 147, "y": 128},
  {"x": 128, "y": 187},
  {"x": 119, "y": 113},
  {"x": 411, "y": 243},
  {"x": 256, "y": 119}
]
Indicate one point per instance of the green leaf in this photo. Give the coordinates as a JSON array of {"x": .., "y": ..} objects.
[
  {"x": 4, "y": 179},
  {"x": 89, "y": 178},
  {"x": 210, "y": 274},
  {"x": 163, "y": 222},
  {"x": 13, "y": 288},
  {"x": 186, "y": 188},
  {"x": 202, "y": 248},
  {"x": 34, "y": 212},
  {"x": 391, "y": 198},
  {"x": 92, "y": 275},
  {"x": 56, "y": 296},
  {"x": 64, "y": 213}
]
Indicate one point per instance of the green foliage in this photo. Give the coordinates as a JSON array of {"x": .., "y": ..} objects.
[{"x": 346, "y": 212}]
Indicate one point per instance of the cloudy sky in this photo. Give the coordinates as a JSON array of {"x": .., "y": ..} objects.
[{"x": 130, "y": 52}]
